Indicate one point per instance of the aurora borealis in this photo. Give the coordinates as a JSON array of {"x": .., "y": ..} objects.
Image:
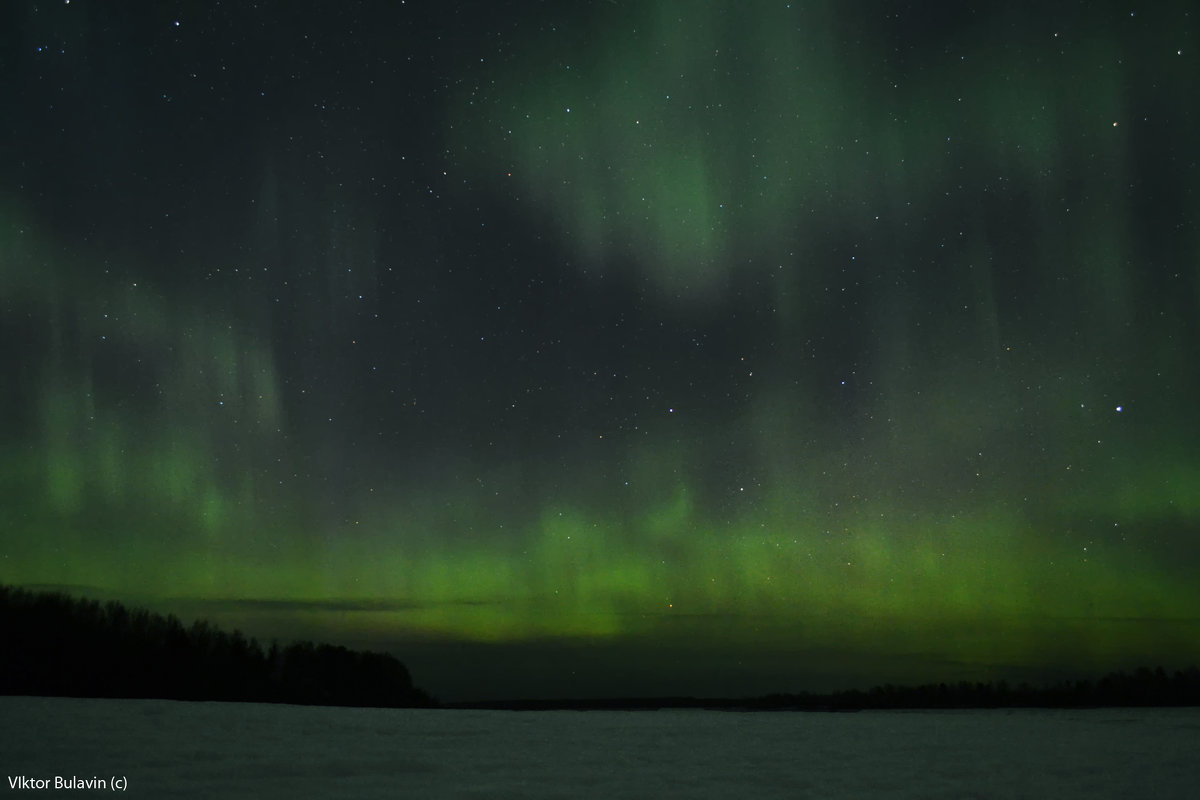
[{"x": 612, "y": 347}]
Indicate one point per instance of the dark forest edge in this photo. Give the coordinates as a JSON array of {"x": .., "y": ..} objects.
[
  {"x": 58, "y": 645},
  {"x": 1144, "y": 687}
]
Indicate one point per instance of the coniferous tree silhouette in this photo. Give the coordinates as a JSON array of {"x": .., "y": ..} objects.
[{"x": 59, "y": 645}]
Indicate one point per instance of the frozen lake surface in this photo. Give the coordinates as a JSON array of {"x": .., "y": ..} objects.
[{"x": 206, "y": 750}]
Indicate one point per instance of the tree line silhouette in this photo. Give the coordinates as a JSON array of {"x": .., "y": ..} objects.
[
  {"x": 1142, "y": 687},
  {"x": 58, "y": 645}
]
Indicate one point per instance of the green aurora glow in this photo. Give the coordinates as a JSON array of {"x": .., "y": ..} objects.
[{"x": 736, "y": 328}]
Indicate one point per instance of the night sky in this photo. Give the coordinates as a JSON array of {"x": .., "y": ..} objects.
[{"x": 612, "y": 348}]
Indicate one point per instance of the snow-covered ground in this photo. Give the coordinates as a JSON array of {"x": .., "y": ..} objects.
[{"x": 223, "y": 750}]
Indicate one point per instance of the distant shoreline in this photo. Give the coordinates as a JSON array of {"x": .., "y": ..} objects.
[{"x": 1142, "y": 688}]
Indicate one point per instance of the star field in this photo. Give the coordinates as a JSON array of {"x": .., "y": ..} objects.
[{"x": 626, "y": 347}]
